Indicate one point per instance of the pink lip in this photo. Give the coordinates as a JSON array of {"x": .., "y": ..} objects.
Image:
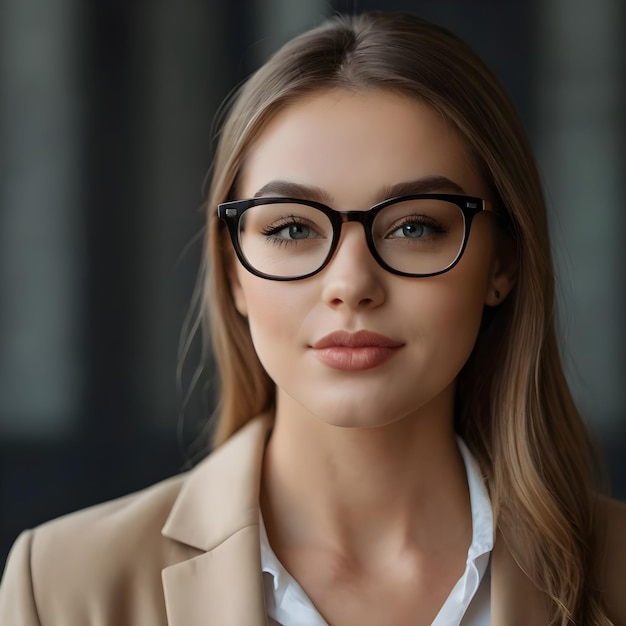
[{"x": 356, "y": 351}]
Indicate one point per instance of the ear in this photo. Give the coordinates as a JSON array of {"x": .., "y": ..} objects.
[
  {"x": 236, "y": 289},
  {"x": 503, "y": 272}
]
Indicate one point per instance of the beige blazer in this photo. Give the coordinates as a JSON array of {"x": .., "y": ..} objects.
[{"x": 184, "y": 552}]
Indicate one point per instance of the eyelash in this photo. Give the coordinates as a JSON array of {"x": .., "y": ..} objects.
[
  {"x": 278, "y": 225},
  {"x": 282, "y": 222},
  {"x": 422, "y": 220}
]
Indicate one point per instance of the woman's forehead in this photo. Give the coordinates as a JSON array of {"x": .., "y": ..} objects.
[{"x": 343, "y": 140}]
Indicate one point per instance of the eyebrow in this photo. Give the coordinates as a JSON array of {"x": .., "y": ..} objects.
[
  {"x": 293, "y": 190},
  {"x": 427, "y": 184}
]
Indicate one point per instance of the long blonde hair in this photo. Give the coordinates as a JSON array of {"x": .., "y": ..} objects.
[{"x": 514, "y": 408}]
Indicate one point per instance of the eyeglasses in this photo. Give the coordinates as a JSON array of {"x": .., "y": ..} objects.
[{"x": 289, "y": 239}]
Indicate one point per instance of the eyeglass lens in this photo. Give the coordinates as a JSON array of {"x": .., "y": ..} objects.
[{"x": 420, "y": 236}]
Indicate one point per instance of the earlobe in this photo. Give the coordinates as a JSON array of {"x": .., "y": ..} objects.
[
  {"x": 237, "y": 291},
  {"x": 502, "y": 279},
  {"x": 495, "y": 296},
  {"x": 239, "y": 299}
]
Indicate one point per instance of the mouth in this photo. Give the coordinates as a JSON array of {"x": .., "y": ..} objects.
[{"x": 356, "y": 351}]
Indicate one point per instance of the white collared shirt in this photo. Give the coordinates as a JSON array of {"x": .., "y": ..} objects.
[{"x": 288, "y": 605}]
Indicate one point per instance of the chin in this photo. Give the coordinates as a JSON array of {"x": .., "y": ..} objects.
[{"x": 355, "y": 419}]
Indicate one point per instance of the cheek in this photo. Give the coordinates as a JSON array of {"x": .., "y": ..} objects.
[
  {"x": 272, "y": 311},
  {"x": 453, "y": 312},
  {"x": 453, "y": 307}
]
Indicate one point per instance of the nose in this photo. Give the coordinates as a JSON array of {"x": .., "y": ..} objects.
[{"x": 353, "y": 279}]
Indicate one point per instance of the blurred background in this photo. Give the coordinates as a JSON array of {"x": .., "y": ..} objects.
[{"x": 106, "y": 136}]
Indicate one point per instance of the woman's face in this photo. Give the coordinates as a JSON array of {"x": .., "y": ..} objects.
[{"x": 353, "y": 147}]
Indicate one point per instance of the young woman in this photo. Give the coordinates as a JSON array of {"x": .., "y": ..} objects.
[{"x": 396, "y": 442}]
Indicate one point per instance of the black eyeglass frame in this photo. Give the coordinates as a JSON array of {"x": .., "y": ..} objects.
[{"x": 231, "y": 213}]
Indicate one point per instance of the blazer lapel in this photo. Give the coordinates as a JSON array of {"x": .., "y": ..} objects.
[
  {"x": 222, "y": 587},
  {"x": 217, "y": 515},
  {"x": 515, "y": 600}
]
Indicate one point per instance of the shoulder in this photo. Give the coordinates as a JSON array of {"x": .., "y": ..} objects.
[
  {"x": 111, "y": 549},
  {"x": 611, "y": 524},
  {"x": 147, "y": 507},
  {"x": 133, "y": 516}
]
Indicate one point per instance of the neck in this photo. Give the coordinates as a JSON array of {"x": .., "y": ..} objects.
[{"x": 359, "y": 491}]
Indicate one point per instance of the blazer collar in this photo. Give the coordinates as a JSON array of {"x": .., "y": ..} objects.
[
  {"x": 217, "y": 514},
  {"x": 221, "y": 494}
]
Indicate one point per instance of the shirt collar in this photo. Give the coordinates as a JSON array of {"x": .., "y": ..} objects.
[{"x": 482, "y": 514}]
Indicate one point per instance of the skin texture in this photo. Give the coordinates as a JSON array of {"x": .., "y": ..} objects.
[{"x": 364, "y": 492}]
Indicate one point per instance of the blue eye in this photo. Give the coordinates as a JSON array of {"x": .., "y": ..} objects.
[
  {"x": 290, "y": 230},
  {"x": 295, "y": 231},
  {"x": 412, "y": 230}
]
